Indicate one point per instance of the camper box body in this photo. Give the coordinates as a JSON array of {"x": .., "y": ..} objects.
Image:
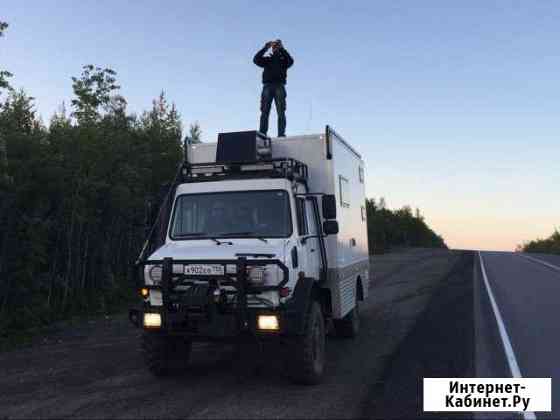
[{"x": 334, "y": 167}]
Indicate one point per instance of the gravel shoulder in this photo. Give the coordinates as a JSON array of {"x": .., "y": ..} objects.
[{"x": 94, "y": 369}]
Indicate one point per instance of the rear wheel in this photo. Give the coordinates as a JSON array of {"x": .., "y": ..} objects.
[
  {"x": 307, "y": 356},
  {"x": 162, "y": 352}
]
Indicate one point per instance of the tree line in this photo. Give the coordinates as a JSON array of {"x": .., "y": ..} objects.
[
  {"x": 550, "y": 245},
  {"x": 73, "y": 194},
  {"x": 390, "y": 229}
]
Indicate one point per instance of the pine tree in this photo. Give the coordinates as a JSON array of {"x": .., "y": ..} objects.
[
  {"x": 4, "y": 85},
  {"x": 195, "y": 133}
]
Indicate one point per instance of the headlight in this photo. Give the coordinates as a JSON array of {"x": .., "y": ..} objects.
[
  {"x": 153, "y": 274},
  {"x": 269, "y": 275}
]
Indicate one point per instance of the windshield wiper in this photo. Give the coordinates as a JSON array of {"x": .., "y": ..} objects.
[
  {"x": 241, "y": 234},
  {"x": 187, "y": 235},
  {"x": 221, "y": 242}
]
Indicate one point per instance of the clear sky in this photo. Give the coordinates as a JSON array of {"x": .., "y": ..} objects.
[{"x": 454, "y": 105}]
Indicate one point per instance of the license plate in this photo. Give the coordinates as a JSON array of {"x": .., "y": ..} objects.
[{"x": 204, "y": 270}]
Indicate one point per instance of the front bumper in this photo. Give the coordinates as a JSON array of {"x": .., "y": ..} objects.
[
  {"x": 219, "y": 326},
  {"x": 198, "y": 314}
]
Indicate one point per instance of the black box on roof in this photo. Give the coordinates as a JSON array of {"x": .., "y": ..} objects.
[{"x": 242, "y": 146}]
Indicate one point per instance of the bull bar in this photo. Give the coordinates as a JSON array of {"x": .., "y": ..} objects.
[{"x": 238, "y": 279}]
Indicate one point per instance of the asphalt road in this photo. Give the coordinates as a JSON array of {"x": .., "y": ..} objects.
[
  {"x": 94, "y": 369},
  {"x": 551, "y": 259},
  {"x": 527, "y": 294}
]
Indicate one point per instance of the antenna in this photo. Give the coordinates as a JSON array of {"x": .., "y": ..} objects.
[{"x": 310, "y": 115}]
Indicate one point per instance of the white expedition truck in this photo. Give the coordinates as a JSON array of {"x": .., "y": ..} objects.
[{"x": 259, "y": 238}]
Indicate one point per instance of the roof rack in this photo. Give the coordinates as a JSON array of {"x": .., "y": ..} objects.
[{"x": 291, "y": 169}]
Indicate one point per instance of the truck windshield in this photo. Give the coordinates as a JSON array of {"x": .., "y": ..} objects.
[{"x": 244, "y": 214}]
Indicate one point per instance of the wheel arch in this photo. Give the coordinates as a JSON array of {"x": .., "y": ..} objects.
[{"x": 323, "y": 296}]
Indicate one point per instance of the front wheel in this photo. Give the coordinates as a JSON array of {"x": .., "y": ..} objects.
[{"x": 307, "y": 355}]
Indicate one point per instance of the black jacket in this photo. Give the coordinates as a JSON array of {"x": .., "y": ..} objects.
[{"x": 275, "y": 66}]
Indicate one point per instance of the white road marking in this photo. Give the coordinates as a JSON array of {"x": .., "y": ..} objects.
[
  {"x": 508, "y": 349},
  {"x": 554, "y": 267}
]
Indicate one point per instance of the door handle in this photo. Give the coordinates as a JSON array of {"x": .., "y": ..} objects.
[{"x": 312, "y": 250}]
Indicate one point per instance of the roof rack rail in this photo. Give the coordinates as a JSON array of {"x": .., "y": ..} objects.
[{"x": 273, "y": 168}]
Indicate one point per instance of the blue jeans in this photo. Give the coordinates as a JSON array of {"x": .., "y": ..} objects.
[{"x": 275, "y": 91}]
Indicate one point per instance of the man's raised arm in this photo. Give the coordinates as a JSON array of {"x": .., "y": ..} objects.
[
  {"x": 288, "y": 57},
  {"x": 259, "y": 58}
]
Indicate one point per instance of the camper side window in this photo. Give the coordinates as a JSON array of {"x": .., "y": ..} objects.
[
  {"x": 344, "y": 193},
  {"x": 301, "y": 217}
]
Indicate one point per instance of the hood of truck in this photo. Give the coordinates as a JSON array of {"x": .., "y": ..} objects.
[{"x": 210, "y": 250}]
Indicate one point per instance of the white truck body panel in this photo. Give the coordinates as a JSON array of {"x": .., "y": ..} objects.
[{"x": 340, "y": 172}]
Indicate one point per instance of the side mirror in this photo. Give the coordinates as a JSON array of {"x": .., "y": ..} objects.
[
  {"x": 329, "y": 206},
  {"x": 330, "y": 227},
  {"x": 163, "y": 189},
  {"x": 151, "y": 213},
  {"x": 153, "y": 204}
]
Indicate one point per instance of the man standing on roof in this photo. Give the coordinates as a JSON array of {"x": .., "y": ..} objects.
[{"x": 274, "y": 76}]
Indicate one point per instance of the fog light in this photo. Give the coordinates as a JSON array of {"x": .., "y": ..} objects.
[
  {"x": 152, "y": 320},
  {"x": 144, "y": 292},
  {"x": 268, "y": 322}
]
